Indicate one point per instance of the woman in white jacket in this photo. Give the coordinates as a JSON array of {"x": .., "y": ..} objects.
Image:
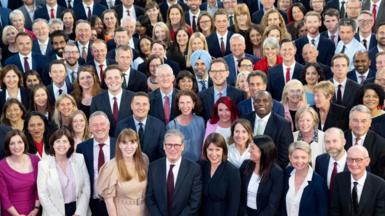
[{"x": 62, "y": 181}]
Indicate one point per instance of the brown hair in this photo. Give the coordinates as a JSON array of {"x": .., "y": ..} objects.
[
  {"x": 218, "y": 140},
  {"x": 77, "y": 92},
  {"x": 57, "y": 135},
  {"x": 246, "y": 124},
  {"x": 7, "y": 69},
  {"x": 7, "y": 140}
]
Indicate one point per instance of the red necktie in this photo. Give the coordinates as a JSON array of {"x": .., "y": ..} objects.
[
  {"x": 334, "y": 173},
  {"x": 26, "y": 64},
  {"x": 357, "y": 140},
  {"x": 166, "y": 108},
  {"x": 170, "y": 188},
  {"x": 128, "y": 13},
  {"x": 52, "y": 13},
  {"x": 115, "y": 110},
  {"x": 101, "y": 159},
  {"x": 84, "y": 53},
  {"x": 89, "y": 14},
  {"x": 222, "y": 46},
  {"x": 101, "y": 73},
  {"x": 374, "y": 11},
  {"x": 287, "y": 77}
]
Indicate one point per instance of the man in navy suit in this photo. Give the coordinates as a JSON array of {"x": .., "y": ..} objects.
[
  {"x": 4, "y": 18},
  {"x": 365, "y": 24},
  {"x": 327, "y": 165},
  {"x": 380, "y": 37},
  {"x": 331, "y": 19},
  {"x": 58, "y": 40},
  {"x": 324, "y": 46},
  {"x": 115, "y": 102},
  {"x": 88, "y": 8},
  {"x": 150, "y": 129},
  {"x": 257, "y": 81},
  {"x": 211, "y": 6},
  {"x": 133, "y": 80},
  {"x": 279, "y": 75},
  {"x": 51, "y": 10},
  {"x": 358, "y": 192},
  {"x": 100, "y": 60},
  {"x": 102, "y": 145},
  {"x": 191, "y": 15},
  {"x": 59, "y": 86},
  {"x": 128, "y": 9},
  {"x": 219, "y": 71},
  {"x": 219, "y": 41},
  {"x": 174, "y": 183},
  {"x": 42, "y": 45},
  {"x": 237, "y": 47},
  {"x": 266, "y": 122},
  {"x": 256, "y": 17},
  {"x": 361, "y": 74},
  {"x": 83, "y": 34}
]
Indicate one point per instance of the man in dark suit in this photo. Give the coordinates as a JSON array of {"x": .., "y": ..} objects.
[
  {"x": 219, "y": 71},
  {"x": 379, "y": 10},
  {"x": 104, "y": 145},
  {"x": 266, "y": 122},
  {"x": 28, "y": 5},
  {"x": 88, "y": 8},
  {"x": 133, "y": 80},
  {"x": 365, "y": 24},
  {"x": 324, "y": 46},
  {"x": 115, "y": 102},
  {"x": 256, "y": 17},
  {"x": 191, "y": 15},
  {"x": 42, "y": 45},
  {"x": 150, "y": 129},
  {"x": 128, "y": 9},
  {"x": 237, "y": 48},
  {"x": 174, "y": 184},
  {"x": 380, "y": 37},
  {"x": 358, "y": 192},
  {"x": 50, "y": 10},
  {"x": 72, "y": 61},
  {"x": 327, "y": 165},
  {"x": 162, "y": 100},
  {"x": 310, "y": 55},
  {"x": 360, "y": 134},
  {"x": 59, "y": 86},
  {"x": 83, "y": 34},
  {"x": 346, "y": 89},
  {"x": 362, "y": 74},
  {"x": 331, "y": 19},
  {"x": 257, "y": 81},
  {"x": 280, "y": 74},
  {"x": 100, "y": 60},
  {"x": 219, "y": 41},
  {"x": 27, "y": 60}
]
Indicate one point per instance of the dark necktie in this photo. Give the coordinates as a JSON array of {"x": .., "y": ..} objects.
[
  {"x": 194, "y": 24},
  {"x": 52, "y": 13},
  {"x": 141, "y": 132},
  {"x": 101, "y": 159},
  {"x": 343, "y": 49},
  {"x": 203, "y": 85},
  {"x": 334, "y": 173},
  {"x": 342, "y": 11},
  {"x": 166, "y": 109},
  {"x": 89, "y": 14},
  {"x": 73, "y": 76},
  {"x": 115, "y": 110},
  {"x": 128, "y": 13},
  {"x": 101, "y": 73},
  {"x": 170, "y": 189},
  {"x": 365, "y": 42},
  {"x": 26, "y": 64},
  {"x": 60, "y": 92},
  {"x": 313, "y": 42},
  {"x": 84, "y": 53},
  {"x": 362, "y": 79},
  {"x": 287, "y": 76},
  {"x": 357, "y": 140},
  {"x": 333, "y": 37},
  {"x": 69, "y": 4},
  {"x": 124, "y": 84},
  {"x": 222, "y": 47},
  {"x": 355, "y": 196},
  {"x": 231, "y": 19},
  {"x": 339, "y": 94}
]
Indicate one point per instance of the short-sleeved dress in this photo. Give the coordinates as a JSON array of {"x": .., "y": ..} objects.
[
  {"x": 18, "y": 189},
  {"x": 129, "y": 195}
]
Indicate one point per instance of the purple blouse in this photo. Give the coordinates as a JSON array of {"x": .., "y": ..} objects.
[{"x": 18, "y": 189}]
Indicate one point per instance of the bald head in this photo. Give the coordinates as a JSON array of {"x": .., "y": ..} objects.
[
  {"x": 357, "y": 161},
  {"x": 263, "y": 103},
  {"x": 309, "y": 53}
]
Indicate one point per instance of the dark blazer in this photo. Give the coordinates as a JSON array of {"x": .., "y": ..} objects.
[
  {"x": 163, "y": 7},
  {"x": 87, "y": 149},
  {"x": 352, "y": 75},
  {"x": 4, "y": 16},
  {"x": 220, "y": 192},
  {"x": 253, "y": 5},
  {"x": 101, "y": 102},
  {"x": 43, "y": 12},
  {"x": 156, "y": 109},
  {"x": 336, "y": 117},
  {"x": 372, "y": 56},
  {"x": 207, "y": 99},
  {"x": 351, "y": 91},
  {"x": 375, "y": 144},
  {"x": 233, "y": 69},
  {"x": 322, "y": 165},
  {"x": 326, "y": 35},
  {"x": 51, "y": 94},
  {"x": 187, "y": 192},
  {"x": 256, "y": 17},
  {"x": 4, "y": 129},
  {"x": 333, "y": 4},
  {"x": 276, "y": 79},
  {"x": 380, "y": 15},
  {"x": 314, "y": 200},
  {"x": 108, "y": 61},
  {"x": 25, "y": 95},
  {"x": 372, "y": 201},
  {"x": 269, "y": 193},
  {"x": 36, "y": 48},
  {"x": 152, "y": 143},
  {"x": 373, "y": 40},
  {"x": 215, "y": 47},
  {"x": 279, "y": 129},
  {"x": 80, "y": 13},
  {"x": 205, "y": 4},
  {"x": 13, "y": 4},
  {"x": 246, "y": 107},
  {"x": 325, "y": 49},
  {"x": 102, "y": 2},
  {"x": 137, "y": 81},
  {"x": 139, "y": 11},
  {"x": 90, "y": 58}
]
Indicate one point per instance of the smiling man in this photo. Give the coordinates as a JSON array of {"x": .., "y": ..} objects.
[{"x": 361, "y": 73}]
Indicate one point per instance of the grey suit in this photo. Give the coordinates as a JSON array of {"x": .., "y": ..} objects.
[{"x": 28, "y": 21}]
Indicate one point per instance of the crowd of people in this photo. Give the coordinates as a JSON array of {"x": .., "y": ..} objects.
[{"x": 191, "y": 107}]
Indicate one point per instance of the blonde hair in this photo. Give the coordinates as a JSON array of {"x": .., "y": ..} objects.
[
  {"x": 290, "y": 85},
  {"x": 326, "y": 87},
  {"x": 304, "y": 110},
  {"x": 56, "y": 113},
  {"x": 163, "y": 26},
  {"x": 195, "y": 35},
  {"x": 300, "y": 145},
  {"x": 4, "y": 34},
  {"x": 282, "y": 25},
  {"x": 241, "y": 9}
]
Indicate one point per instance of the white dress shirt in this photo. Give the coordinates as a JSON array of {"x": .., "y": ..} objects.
[
  {"x": 360, "y": 141},
  {"x": 56, "y": 89},
  {"x": 292, "y": 66},
  {"x": 118, "y": 99},
  {"x": 224, "y": 39},
  {"x": 360, "y": 185},
  {"x": 106, "y": 152},
  {"x": 343, "y": 85},
  {"x": 260, "y": 124},
  {"x": 252, "y": 191},
  {"x": 340, "y": 166},
  {"x": 54, "y": 11},
  {"x": 91, "y": 7},
  {"x": 21, "y": 57}
]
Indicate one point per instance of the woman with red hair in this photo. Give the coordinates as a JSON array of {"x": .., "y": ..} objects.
[{"x": 224, "y": 114}]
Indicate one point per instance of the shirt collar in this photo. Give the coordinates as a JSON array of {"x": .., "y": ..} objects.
[
  {"x": 177, "y": 163},
  {"x": 137, "y": 122},
  {"x": 309, "y": 175},
  {"x": 107, "y": 143},
  {"x": 343, "y": 83},
  {"x": 119, "y": 95},
  {"x": 266, "y": 118},
  {"x": 361, "y": 180}
]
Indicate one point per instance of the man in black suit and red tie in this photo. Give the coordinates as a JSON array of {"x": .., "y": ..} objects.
[
  {"x": 100, "y": 60},
  {"x": 219, "y": 41}
]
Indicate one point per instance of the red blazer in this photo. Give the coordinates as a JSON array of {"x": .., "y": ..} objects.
[{"x": 263, "y": 66}]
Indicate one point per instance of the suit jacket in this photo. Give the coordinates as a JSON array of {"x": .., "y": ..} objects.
[
  {"x": 152, "y": 143},
  {"x": 28, "y": 21},
  {"x": 13, "y": 4},
  {"x": 50, "y": 190},
  {"x": 101, "y": 102},
  {"x": 380, "y": 15},
  {"x": 279, "y": 129},
  {"x": 4, "y": 129},
  {"x": 372, "y": 201},
  {"x": 4, "y": 17},
  {"x": 109, "y": 62},
  {"x": 253, "y": 5},
  {"x": 220, "y": 192},
  {"x": 256, "y": 17},
  {"x": 137, "y": 81},
  {"x": 269, "y": 192},
  {"x": 246, "y": 107},
  {"x": 352, "y": 75},
  {"x": 156, "y": 102},
  {"x": 336, "y": 117},
  {"x": 24, "y": 93},
  {"x": 207, "y": 99},
  {"x": 276, "y": 79},
  {"x": 90, "y": 58},
  {"x": 373, "y": 40},
  {"x": 139, "y": 11},
  {"x": 87, "y": 149},
  {"x": 322, "y": 165},
  {"x": 351, "y": 91},
  {"x": 80, "y": 13},
  {"x": 215, "y": 47},
  {"x": 36, "y": 48},
  {"x": 375, "y": 144},
  {"x": 231, "y": 79},
  {"x": 325, "y": 48},
  {"x": 187, "y": 192},
  {"x": 43, "y": 12},
  {"x": 51, "y": 94},
  {"x": 314, "y": 200}
]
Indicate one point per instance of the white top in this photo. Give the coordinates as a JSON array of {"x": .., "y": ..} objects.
[
  {"x": 235, "y": 157},
  {"x": 252, "y": 191},
  {"x": 219, "y": 38},
  {"x": 118, "y": 99},
  {"x": 91, "y": 6},
  {"x": 225, "y": 132},
  {"x": 106, "y": 151},
  {"x": 293, "y": 199},
  {"x": 175, "y": 169},
  {"x": 360, "y": 185},
  {"x": 343, "y": 84},
  {"x": 340, "y": 166},
  {"x": 317, "y": 147},
  {"x": 18, "y": 97}
]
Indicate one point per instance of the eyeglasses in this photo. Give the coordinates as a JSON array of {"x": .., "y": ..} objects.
[
  {"x": 175, "y": 146},
  {"x": 356, "y": 160}
]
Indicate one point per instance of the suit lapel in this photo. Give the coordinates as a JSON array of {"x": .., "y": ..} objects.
[
  {"x": 365, "y": 196},
  {"x": 112, "y": 147},
  {"x": 269, "y": 125},
  {"x": 181, "y": 175}
]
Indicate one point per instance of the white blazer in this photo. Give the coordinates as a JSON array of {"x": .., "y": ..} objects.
[{"x": 49, "y": 188}]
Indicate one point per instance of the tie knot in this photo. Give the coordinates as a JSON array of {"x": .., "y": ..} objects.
[
  {"x": 355, "y": 184},
  {"x": 101, "y": 65},
  {"x": 101, "y": 145},
  {"x": 114, "y": 98},
  {"x": 25, "y": 58},
  {"x": 339, "y": 86},
  {"x": 165, "y": 98},
  {"x": 140, "y": 124},
  {"x": 335, "y": 163},
  {"x": 171, "y": 166}
]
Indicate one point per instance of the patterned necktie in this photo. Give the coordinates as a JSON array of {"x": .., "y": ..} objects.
[
  {"x": 101, "y": 159},
  {"x": 52, "y": 13},
  {"x": 166, "y": 109}
]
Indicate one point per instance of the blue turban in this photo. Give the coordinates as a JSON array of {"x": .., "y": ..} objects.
[{"x": 202, "y": 55}]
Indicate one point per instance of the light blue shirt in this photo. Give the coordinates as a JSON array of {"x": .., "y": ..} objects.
[
  {"x": 350, "y": 50},
  {"x": 216, "y": 96}
]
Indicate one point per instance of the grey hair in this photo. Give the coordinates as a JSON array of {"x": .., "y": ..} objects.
[
  {"x": 360, "y": 148},
  {"x": 39, "y": 20},
  {"x": 271, "y": 42},
  {"x": 99, "y": 113},
  {"x": 337, "y": 130},
  {"x": 173, "y": 132},
  {"x": 301, "y": 145},
  {"x": 360, "y": 108},
  {"x": 164, "y": 67},
  {"x": 239, "y": 36},
  {"x": 53, "y": 21},
  {"x": 15, "y": 13}
]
